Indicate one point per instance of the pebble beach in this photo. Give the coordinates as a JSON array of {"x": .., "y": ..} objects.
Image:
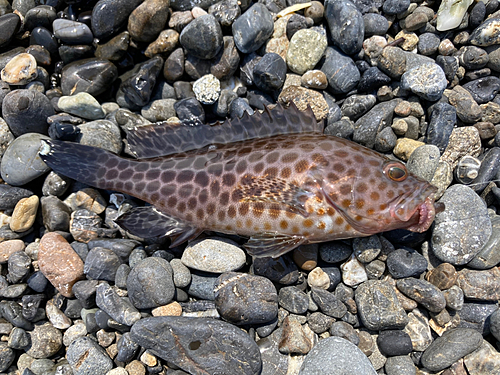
[{"x": 415, "y": 80}]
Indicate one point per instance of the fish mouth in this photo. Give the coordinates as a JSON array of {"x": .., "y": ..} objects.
[{"x": 423, "y": 216}]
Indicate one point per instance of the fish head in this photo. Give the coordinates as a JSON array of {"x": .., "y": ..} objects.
[{"x": 381, "y": 195}]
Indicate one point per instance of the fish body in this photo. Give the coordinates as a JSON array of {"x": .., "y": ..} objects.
[{"x": 280, "y": 191}]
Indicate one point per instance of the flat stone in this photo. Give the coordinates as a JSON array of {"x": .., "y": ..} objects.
[
  {"x": 20, "y": 70},
  {"x": 485, "y": 360},
  {"x": 59, "y": 263},
  {"x": 480, "y": 285},
  {"x": 199, "y": 345},
  {"x": 82, "y": 104}
]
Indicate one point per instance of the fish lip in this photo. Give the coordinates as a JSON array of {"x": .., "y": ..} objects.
[{"x": 425, "y": 214}]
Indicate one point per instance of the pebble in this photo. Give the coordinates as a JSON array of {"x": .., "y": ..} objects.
[
  {"x": 403, "y": 263},
  {"x": 346, "y": 25},
  {"x": 71, "y": 32},
  {"x": 306, "y": 257},
  {"x": 115, "y": 48},
  {"x": 378, "y": 313},
  {"x": 110, "y": 15},
  {"x": 269, "y": 73},
  {"x": 147, "y": 20},
  {"x": 207, "y": 89},
  {"x": 335, "y": 355},
  {"x": 59, "y": 263},
  {"x": 427, "y": 81},
  {"x": 101, "y": 264},
  {"x": 252, "y": 28},
  {"x": 340, "y": 70},
  {"x": 46, "y": 341},
  {"x": 400, "y": 365},
  {"x": 302, "y": 98},
  {"x": 26, "y": 111},
  {"x": 394, "y": 343},
  {"x": 423, "y": 161},
  {"x": 86, "y": 357},
  {"x": 443, "y": 276},
  {"x": 224, "y": 346},
  {"x": 467, "y": 108},
  {"x": 305, "y": 50},
  {"x": 318, "y": 278},
  {"x": 100, "y": 133},
  {"x": 93, "y": 76},
  {"x": 422, "y": 292},
  {"x": 119, "y": 309},
  {"x": 353, "y": 272},
  {"x": 480, "y": 285},
  {"x": 24, "y": 214},
  {"x": 202, "y": 37},
  {"x": 20, "y": 70},
  {"x": 451, "y": 346},
  {"x": 82, "y": 104},
  {"x": 293, "y": 300},
  {"x": 485, "y": 34},
  {"x": 464, "y": 213},
  {"x": 7, "y": 248}
]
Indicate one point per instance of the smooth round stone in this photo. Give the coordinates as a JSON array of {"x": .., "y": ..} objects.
[
  {"x": 148, "y": 20},
  {"x": 245, "y": 299},
  {"x": 190, "y": 111},
  {"x": 21, "y": 163},
  {"x": 215, "y": 255},
  {"x": 423, "y": 292},
  {"x": 150, "y": 283},
  {"x": 423, "y": 161},
  {"x": 473, "y": 58},
  {"x": 403, "y": 263},
  {"x": 394, "y": 343},
  {"x": 174, "y": 65},
  {"x": 82, "y": 104},
  {"x": 450, "y": 347},
  {"x": 463, "y": 228},
  {"x": 253, "y": 28},
  {"x": 101, "y": 133},
  {"x": 487, "y": 172},
  {"x": 9, "y": 24},
  {"x": 72, "y": 32},
  {"x": 224, "y": 348},
  {"x": 443, "y": 120},
  {"x": 484, "y": 89},
  {"x": 207, "y": 89},
  {"x": 293, "y": 299},
  {"x": 305, "y": 50},
  {"x": 346, "y": 25},
  {"x": 87, "y": 357},
  {"x": 42, "y": 15},
  {"x": 93, "y": 76},
  {"x": 43, "y": 37},
  {"x": 486, "y": 34},
  {"x": 314, "y": 79},
  {"x": 427, "y": 81},
  {"x": 166, "y": 42},
  {"x": 159, "y": 110},
  {"x": 108, "y": 16},
  {"x": 392, "y": 7},
  {"x": 270, "y": 72},
  {"x": 20, "y": 70},
  {"x": 400, "y": 365},
  {"x": 24, "y": 214},
  {"x": 377, "y": 312},
  {"x": 202, "y": 37},
  {"x": 335, "y": 355},
  {"x": 375, "y": 24},
  {"x": 340, "y": 70}
]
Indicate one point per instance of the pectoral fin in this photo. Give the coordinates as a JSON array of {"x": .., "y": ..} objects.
[{"x": 272, "y": 244}]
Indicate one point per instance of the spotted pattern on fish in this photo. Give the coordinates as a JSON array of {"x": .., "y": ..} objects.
[{"x": 280, "y": 191}]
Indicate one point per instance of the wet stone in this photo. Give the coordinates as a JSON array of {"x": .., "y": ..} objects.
[
  {"x": 19, "y": 265},
  {"x": 71, "y": 32},
  {"x": 465, "y": 213},
  {"x": 372, "y": 79},
  {"x": 379, "y": 307},
  {"x": 245, "y": 299},
  {"x": 118, "y": 308},
  {"x": 93, "y": 76},
  {"x": 87, "y": 357},
  {"x": 148, "y": 20},
  {"x": 190, "y": 111},
  {"x": 202, "y": 37},
  {"x": 375, "y": 24},
  {"x": 394, "y": 343},
  {"x": 403, "y": 263},
  {"x": 226, "y": 12},
  {"x": 443, "y": 119},
  {"x": 485, "y": 34},
  {"x": 82, "y": 104},
  {"x": 110, "y": 15},
  {"x": 451, "y": 346},
  {"x": 115, "y": 48},
  {"x": 334, "y": 252},
  {"x": 214, "y": 255},
  {"x": 138, "y": 83},
  {"x": 150, "y": 283},
  {"x": 252, "y": 28},
  {"x": 20, "y": 70},
  {"x": 335, "y": 355},
  {"x": 269, "y": 73},
  {"x": 484, "y": 89}
]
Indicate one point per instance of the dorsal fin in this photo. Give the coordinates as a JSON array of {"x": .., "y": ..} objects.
[{"x": 164, "y": 139}]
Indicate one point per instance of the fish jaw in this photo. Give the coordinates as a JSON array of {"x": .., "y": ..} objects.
[{"x": 423, "y": 216}]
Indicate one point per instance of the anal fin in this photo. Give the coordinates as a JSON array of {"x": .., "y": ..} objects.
[
  {"x": 148, "y": 222},
  {"x": 272, "y": 244}
]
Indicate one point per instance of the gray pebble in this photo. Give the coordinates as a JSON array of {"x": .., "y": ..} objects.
[
  {"x": 118, "y": 308},
  {"x": 252, "y": 28},
  {"x": 87, "y": 357},
  {"x": 427, "y": 81}
]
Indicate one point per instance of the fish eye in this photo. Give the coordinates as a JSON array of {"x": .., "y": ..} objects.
[{"x": 396, "y": 171}]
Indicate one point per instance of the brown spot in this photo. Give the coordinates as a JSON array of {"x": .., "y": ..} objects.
[
  {"x": 339, "y": 220},
  {"x": 301, "y": 166},
  {"x": 358, "y": 158},
  {"x": 321, "y": 225},
  {"x": 341, "y": 153},
  {"x": 248, "y": 223},
  {"x": 348, "y": 227},
  {"x": 345, "y": 203},
  {"x": 359, "y": 204},
  {"x": 215, "y": 169},
  {"x": 203, "y": 196},
  {"x": 172, "y": 201},
  {"x": 215, "y": 188},
  {"x": 124, "y": 175},
  {"x": 236, "y": 196},
  {"x": 374, "y": 196},
  {"x": 229, "y": 227},
  {"x": 152, "y": 174},
  {"x": 239, "y": 224},
  {"x": 370, "y": 211},
  {"x": 366, "y": 171},
  {"x": 167, "y": 176},
  {"x": 185, "y": 176},
  {"x": 290, "y": 215},
  {"x": 244, "y": 151},
  {"x": 337, "y": 167},
  {"x": 308, "y": 223},
  {"x": 189, "y": 217},
  {"x": 228, "y": 179},
  {"x": 271, "y": 172},
  {"x": 285, "y": 172},
  {"x": 326, "y": 146},
  {"x": 112, "y": 174},
  {"x": 272, "y": 157},
  {"x": 320, "y": 160},
  {"x": 332, "y": 176},
  {"x": 181, "y": 207},
  {"x": 274, "y": 211},
  {"x": 345, "y": 189},
  {"x": 307, "y": 146},
  {"x": 351, "y": 172},
  {"x": 192, "y": 203},
  {"x": 295, "y": 229},
  {"x": 221, "y": 215},
  {"x": 382, "y": 206},
  {"x": 390, "y": 194},
  {"x": 267, "y": 226},
  {"x": 373, "y": 163},
  {"x": 231, "y": 211},
  {"x": 382, "y": 186},
  {"x": 210, "y": 209},
  {"x": 154, "y": 197},
  {"x": 321, "y": 211},
  {"x": 243, "y": 209},
  {"x": 258, "y": 209},
  {"x": 330, "y": 211},
  {"x": 259, "y": 167},
  {"x": 202, "y": 178},
  {"x": 283, "y": 224},
  {"x": 224, "y": 198},
  {"x": 290, "y": 157},
  {"x": 200, "y": 214},
  {"x": 357, "y": 218}
]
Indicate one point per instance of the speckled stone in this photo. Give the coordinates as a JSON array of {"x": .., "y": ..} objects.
[
  {"x": 304, "y": 98},
  {"x": 20, "y": 70},
  {"x": 305, "y": 50},
  {"x": 427, "y": 81},
  {"x": 207, "y": 89},
  {"x": 463, "y": 141}
]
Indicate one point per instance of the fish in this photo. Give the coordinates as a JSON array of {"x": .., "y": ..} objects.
[{"x": 273, "y": 177}]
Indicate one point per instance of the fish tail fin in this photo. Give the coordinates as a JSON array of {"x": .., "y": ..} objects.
[{"x": 87, "y": 164}]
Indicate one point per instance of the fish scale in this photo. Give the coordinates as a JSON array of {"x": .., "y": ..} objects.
[{"x": 280, "y": 191}]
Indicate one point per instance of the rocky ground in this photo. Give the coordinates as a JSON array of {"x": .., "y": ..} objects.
[{"x": 414, "y": 80}]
